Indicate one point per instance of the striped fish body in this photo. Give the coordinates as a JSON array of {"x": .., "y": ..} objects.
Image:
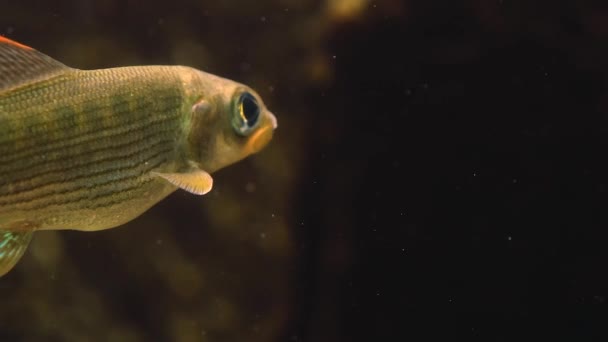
[
  {"x": 90, "y": 150},
  {"x": 76, "y": 150}
]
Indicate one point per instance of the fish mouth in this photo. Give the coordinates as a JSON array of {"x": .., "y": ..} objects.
[
  {"x": 273, "y": 120},
  {"x": 262, "y": 136}
]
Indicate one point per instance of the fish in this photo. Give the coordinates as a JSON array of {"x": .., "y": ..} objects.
[{"x": 94, "y": 149}]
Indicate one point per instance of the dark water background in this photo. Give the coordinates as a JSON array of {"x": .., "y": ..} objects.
[{"x": 439, "y": 172}]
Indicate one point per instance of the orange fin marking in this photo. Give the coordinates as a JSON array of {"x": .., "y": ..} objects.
[{"x": 14, "y": 43}]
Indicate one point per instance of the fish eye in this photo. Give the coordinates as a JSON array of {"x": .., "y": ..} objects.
[{"x": 247, "y": 113}]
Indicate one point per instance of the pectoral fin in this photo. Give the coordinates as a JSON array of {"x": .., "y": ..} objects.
[
  {"x": 195, "y": 181},
  {"x": 12, "y": 247}
]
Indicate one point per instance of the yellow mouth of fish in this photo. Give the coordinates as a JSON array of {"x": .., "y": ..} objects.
[{"x": 262, "y": 136}]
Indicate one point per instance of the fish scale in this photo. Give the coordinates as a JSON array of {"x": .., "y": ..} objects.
[
  {"x": 90, "y": 150},
  {"x": 96, "y": 141},
  {"x": 77, "y": 138}
]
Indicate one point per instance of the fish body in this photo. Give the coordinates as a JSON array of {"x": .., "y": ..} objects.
[{"x": 94, "y": 149}]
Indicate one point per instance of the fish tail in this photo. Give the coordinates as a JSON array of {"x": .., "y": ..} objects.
[{"x": 12, "y": 246}]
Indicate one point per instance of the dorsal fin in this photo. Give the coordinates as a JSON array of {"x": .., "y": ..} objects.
[{"x": 20, "y": 64}]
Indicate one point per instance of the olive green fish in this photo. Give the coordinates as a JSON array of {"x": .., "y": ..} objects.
[{"x": 94, "y": 149}]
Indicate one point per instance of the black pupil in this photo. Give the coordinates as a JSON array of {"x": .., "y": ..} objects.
[{"x": 250, "y": 108}]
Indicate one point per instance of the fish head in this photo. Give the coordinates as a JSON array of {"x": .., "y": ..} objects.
[{"x": 228, "y": 121}]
